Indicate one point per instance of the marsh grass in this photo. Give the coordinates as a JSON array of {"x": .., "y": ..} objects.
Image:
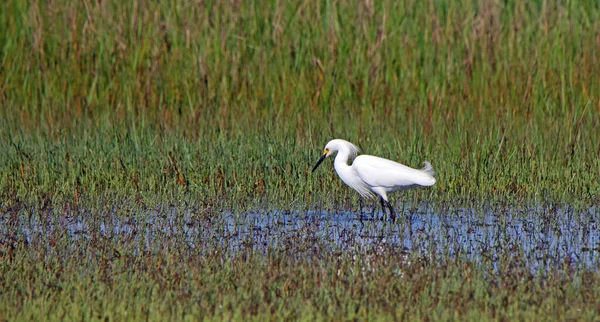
[
  {"x": 222, "y": 105},
  {"x": 233, "y": 101}
]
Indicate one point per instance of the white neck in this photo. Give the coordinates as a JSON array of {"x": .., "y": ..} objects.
[{"x": 341, "y": 163}]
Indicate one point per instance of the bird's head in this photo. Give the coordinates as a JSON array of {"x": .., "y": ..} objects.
[{"x": 335, "y": 146}]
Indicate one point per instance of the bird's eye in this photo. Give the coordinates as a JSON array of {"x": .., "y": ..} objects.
[{"x": 326, "y": 151}]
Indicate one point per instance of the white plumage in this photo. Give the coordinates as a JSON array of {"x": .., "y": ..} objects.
[{"x": 371, "y": 176}]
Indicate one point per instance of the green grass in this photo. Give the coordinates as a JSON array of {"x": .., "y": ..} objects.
[
  {"x": 214, "y": 100},
  {"x": 227, "y": 105}
]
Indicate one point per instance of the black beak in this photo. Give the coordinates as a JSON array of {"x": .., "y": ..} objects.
[{"x": 319, "y": 162}]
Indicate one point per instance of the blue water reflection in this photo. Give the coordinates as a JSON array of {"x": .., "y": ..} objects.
[{"x": 543, "y": 237}]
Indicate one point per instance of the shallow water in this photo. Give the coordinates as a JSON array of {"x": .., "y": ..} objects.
[{"x": 541, "y": 237}]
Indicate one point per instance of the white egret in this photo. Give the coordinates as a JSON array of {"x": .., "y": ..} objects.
[{"x": 371, "y": 176}]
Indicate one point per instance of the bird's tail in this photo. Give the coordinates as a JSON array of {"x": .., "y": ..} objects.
[{"x": 428, "y": 169}]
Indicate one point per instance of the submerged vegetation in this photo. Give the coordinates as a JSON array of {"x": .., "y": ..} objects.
[{"x": 115, "y": 110}]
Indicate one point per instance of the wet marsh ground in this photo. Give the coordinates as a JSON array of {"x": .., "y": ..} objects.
[
  {"x": 176, "y": 262},
  {"x": 156, "y": 160}
]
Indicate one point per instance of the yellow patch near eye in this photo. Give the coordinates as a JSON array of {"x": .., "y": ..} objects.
[{"x": 326, "y": 151}]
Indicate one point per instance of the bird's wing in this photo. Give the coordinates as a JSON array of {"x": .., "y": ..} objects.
[{"x": 379, "y": 172}]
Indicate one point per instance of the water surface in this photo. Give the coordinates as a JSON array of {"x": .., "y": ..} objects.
[{"x": 541, "y": 237}]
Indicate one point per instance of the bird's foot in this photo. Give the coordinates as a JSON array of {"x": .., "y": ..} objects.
[{"x": 393, "y": 217}]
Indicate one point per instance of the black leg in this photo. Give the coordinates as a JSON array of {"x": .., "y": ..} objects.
[
  {"x": 360, "y": 211},
  {"x": 392, "y": 213},
  {"x": 382, "y": 205},
  {"x": 385, "y": 203}
]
